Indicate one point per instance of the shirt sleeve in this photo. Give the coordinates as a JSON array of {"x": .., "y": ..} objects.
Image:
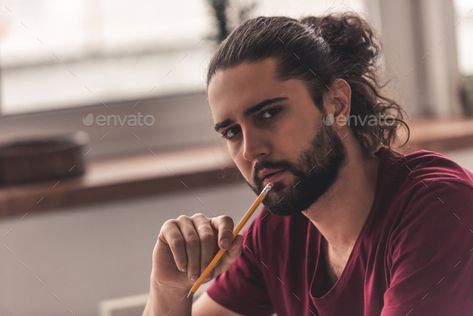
[
  {"x": 431, "y": 253},
  {"x": 241, "y": 288}
]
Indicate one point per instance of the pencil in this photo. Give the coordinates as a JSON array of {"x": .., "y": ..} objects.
[{"x": 236, "y": 231}]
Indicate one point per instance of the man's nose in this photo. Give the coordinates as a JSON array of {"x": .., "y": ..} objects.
[{"x": 255, "y": 146}]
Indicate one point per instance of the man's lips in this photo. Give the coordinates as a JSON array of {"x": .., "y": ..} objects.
[{"x": 266, "y": 175}]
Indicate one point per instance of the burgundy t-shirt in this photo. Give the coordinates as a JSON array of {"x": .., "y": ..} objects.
[{"x": 414, "y": 255}]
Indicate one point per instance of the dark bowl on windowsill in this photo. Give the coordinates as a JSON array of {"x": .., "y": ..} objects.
[{"x": 42, "y": 158}]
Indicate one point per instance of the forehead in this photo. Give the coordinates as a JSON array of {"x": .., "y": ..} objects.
[{"x": 238, "y": 87}]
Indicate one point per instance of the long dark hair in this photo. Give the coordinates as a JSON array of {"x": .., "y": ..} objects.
[{"x": 319, "y": 50}]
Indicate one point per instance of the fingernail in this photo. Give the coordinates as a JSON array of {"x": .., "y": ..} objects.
[
  {"x": 194, "y": 277},
  {"x": 182, "y": 269},
  {"x": 225, "y": 243}
]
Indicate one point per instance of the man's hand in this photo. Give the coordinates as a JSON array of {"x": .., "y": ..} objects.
[{"x": 186, "y": 245}]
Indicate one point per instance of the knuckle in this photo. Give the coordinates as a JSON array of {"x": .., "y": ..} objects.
[
  {"x": 176, "y": 243},
  {"x": 205, "y": 230},
  {"x": 225, "y": 219},
  {"x": 207, "y": 238},
  {"x": 198, "y": 215},
  {"x": 192, "y": 240},
  {"x": 168, "y": 223},
  {"x": 161, "y": 236},
  {"x": 165, "y": 229},
  {"x": 182, "y": 217}
]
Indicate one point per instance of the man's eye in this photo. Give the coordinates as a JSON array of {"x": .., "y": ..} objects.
[
  {"x": 269, "y": 113},
  {"x": 230, "y": 133}
]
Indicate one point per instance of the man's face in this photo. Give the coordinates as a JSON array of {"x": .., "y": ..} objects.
[{"x": 274, "y": 133}]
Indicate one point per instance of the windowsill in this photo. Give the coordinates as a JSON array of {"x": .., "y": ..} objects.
[
  {"x": 164, "y": 172},
  {"x": 124, "y": 177},
  {"x": 441, "y": 135}
]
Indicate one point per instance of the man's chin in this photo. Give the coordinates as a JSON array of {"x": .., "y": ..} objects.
[
  {"x": 279, "y": 201},
  {"x": 292, "y": 200},
  {"x": 281, "y": 210}
]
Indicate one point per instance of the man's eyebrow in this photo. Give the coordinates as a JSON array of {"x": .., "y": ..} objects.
[
  {"x": 250, "y": 110},
  {"x": 262, "y": 104},
  {"x": 223, "y": 124}
]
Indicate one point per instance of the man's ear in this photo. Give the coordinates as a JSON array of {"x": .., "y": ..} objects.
[{"x": 337, "y": 102}]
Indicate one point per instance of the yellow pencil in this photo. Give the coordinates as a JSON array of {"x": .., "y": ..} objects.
[{"x": 236, "y": 231}]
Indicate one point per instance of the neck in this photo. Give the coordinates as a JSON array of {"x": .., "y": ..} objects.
[{"x": 341, "y": 212}]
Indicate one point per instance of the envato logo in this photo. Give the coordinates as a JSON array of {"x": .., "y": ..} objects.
[
  {"x": 130, "y": 120},
  {"x": 357, "y": 120}
]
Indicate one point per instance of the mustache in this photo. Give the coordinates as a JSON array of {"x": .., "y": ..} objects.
[{"x": 272, "y": 165}]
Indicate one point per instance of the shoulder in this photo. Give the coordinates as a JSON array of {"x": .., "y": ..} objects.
[
  {"x": 433, "y": 202},
  {"x": 436, "y": 185},
  {"x": 425, "y": 175},
  {"x": 436, "y": 202},
  {"x": 436, "y": 205},
  {"x": 435, "y": 219},
  {"x": 429, "y": 166},
  {"x": 431, "y": 244}
]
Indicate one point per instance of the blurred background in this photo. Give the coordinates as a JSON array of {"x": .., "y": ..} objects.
[{"x": 105, "y": 130}]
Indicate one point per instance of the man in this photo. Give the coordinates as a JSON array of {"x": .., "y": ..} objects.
[{"x": 351, "y": 226}]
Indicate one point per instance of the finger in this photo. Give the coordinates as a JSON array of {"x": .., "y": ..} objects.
[
  {"x": 230, "y": 256},
  {"x": 236, "y": 248},
  {"x": 192, "y": 246},
  {"x": 224, "y": 226},
  {"x": 208, "y": 239},
  {"x": 171, "y": 235}
]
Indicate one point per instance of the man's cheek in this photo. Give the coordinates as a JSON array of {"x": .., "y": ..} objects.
[{"x": 246, "y": 173}]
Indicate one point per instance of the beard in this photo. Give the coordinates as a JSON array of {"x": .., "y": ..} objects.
[{"x": 315, "y": 172}]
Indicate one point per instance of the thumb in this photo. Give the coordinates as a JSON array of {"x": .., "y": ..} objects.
[{"x": 230, "y": 256}]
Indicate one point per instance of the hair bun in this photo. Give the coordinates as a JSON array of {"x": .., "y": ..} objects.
[{"x": 350, "y": 39}]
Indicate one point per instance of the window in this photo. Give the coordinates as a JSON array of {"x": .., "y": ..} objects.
[
  {"x": 62, "y": 61},
  {"x": 58, "y": 54},
  {"x": 464, "y": 28}
]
